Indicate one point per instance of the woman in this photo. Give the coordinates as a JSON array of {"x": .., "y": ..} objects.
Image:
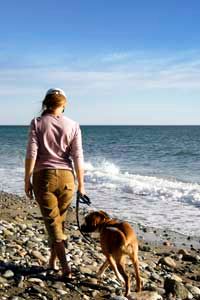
[{"x": 53, "y": 141}]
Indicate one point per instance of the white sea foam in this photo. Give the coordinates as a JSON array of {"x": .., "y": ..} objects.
[
  {"x": 157, "y": 202},
  {"x": 107, "y": 175}
]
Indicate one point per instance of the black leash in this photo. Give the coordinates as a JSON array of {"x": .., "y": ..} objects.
[{"x": 80, "y": 198}]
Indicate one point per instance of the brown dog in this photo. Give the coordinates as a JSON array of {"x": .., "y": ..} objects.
[{"x": 117, "y": 241}]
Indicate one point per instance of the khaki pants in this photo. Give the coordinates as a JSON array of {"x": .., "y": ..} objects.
[{"x": 54, "y": 191}]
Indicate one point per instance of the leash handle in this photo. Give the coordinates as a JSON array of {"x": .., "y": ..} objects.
[
  {"x": 83, "y": 198},
  {"x": 80, "y": 198}
]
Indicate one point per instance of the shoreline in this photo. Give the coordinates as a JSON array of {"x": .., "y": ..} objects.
[
  {"x": 152, "y": 235},
  {"x": 162, "y": 255}
]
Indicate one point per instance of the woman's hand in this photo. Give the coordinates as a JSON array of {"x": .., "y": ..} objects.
[
  {"x": 28, "y": 189},
  {"x": 29, "y": 167},
  {"x": 81, "y": 190}
]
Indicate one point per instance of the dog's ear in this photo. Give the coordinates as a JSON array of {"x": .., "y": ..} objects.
[
  {"x": 106, "y": 216},
  {"x": 94, "y": 222}
]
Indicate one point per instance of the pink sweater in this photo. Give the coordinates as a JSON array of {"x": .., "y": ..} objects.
[{"x": 53, "y": 141}]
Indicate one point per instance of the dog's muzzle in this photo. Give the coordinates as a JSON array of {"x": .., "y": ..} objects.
[{"x": 86, "y": 228}]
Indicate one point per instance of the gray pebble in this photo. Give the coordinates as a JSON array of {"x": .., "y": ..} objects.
[{"x": 8, "y": 274}]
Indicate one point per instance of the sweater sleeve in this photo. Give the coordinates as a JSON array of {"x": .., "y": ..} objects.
[
  {"x": 77, "y": 149},
  {"x": 32, "y": 145}
]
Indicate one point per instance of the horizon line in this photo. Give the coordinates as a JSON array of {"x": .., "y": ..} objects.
[{"x": 27, "y": 125}]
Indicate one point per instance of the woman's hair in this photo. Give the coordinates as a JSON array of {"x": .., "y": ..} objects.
[{"x": 51, "y": 102}]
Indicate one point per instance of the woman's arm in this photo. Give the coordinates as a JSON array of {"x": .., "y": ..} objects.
[
  {"x": 77, "y": 156},
  {"x": 29, "y": 167},
  {"x": 31, "y": 155},
  {"x": 80, "y": 178}
]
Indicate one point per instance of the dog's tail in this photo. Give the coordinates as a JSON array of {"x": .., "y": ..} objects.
[
  {"x": 127, "y": 249},
  {"x": 119, "y": 233},
  {"x": 125, "y": 246}
]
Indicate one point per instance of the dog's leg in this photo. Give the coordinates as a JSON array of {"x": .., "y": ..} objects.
[
  {"x": 52, "y": 259},
  {"x": 103, "y": 268},
  {"x": 121, "y": 268},
  {"x": 137, "y": 272},
  {"x": 115, "y": 269}
]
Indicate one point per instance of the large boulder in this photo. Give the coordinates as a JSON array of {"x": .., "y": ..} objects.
[
  {"x": 168, "y": 261},
  {"x": 176, "y": 288}
]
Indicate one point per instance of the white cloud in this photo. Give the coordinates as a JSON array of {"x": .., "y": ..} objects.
[
  {"x": 136, "y": 72},
  {"x": 116, "y": 57}
]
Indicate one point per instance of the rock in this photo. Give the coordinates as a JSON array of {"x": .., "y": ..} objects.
[
  {"x": 176, "y": 278},
  {"x": 7, "y": 233},
  {"x": 118, "y": 298},
  {"x": 195, "y": 277},
  {"x": 143, "y": 265},
  {"x": 85, "y": 270},
  {"x": 190, "y": 258},
  {"x": 114, "y": 283},
  {"x": 183, "y": 252},
  {"x": 8, "y": 274},
  {"x": 195, "y": 291},
  {"x": 146, "y": 295},
  {"x": 92, "y": 280},
  {"x": 38, "y": 255},
  {"x": 176, "y": 288},
  {"x": 168, "y": 261},
  {"x": 94, "y": 294},
  {"x": 36, "y": 280},
  {"x": 58, "y": 285},
  {"x": 145, "y": 248},
  {"x": 61, "y": 292},
  {"x": 22, "y": 226},
  {"x": 167, "y": 243},
  {"x": 155, "y": 277},
  {"x": 2, "y": 280},
  {"x": 20, "y": 282}
]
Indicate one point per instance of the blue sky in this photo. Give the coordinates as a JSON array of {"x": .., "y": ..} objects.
[{"x": 119, "y": 62}]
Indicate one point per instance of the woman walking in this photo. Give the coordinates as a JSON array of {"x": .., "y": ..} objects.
[{"x": 54, "y": 152}]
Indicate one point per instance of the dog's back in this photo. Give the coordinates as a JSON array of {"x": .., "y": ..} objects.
[{"x": 118, "y": 236}]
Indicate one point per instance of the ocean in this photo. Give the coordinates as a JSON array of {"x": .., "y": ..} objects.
[{"x": 145, "y": 174}]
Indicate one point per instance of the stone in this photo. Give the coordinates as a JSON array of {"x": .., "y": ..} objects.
[
  {"x": 176, "y": 278},
  {"x": 146, "y": 295},
  {"x": 92, "y": 280},
  {"x": 183, "y": 252},
  {"x": 8, "y": 274},
  {"x": 155, "y": 277},
  {"x": 118, "y": 298},
  {"x": 37, "y": 280},
  {"x": 94, "y": 294},
  {"x": 195, "y": 291},
  {"x": 190, "y": 258},
  {"x": 176, "y": 288},
  {"x": 3, "y": 280},
  {"x": 143, "y": 265},
  {"x": 58, "y": 285},
  {"x": 168, "y": 261},
  {"x": 39, "y": 256},
  {"x": 61, "y": 292},
  {"x": 145, "y": 248},
  {"x": 7, "y": 233},
  {"x": 167, "y": 243},
  {"x": 22, "y": 226},
  {"x": 114, "y": 282},
  {"x": 85, "y": 270}
]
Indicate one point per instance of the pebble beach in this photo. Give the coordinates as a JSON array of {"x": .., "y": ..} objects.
[{"x": 169, "y": 265}]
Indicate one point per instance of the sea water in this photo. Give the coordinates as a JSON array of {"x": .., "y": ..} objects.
[{"x": 145, "y": 174}]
